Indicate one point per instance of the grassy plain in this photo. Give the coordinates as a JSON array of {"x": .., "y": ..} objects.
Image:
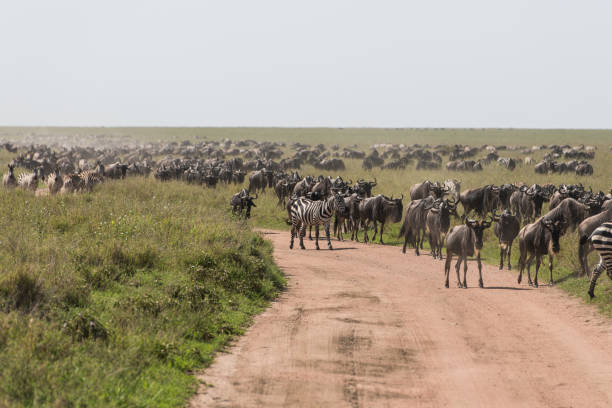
[
  {"x": 113, "y": 298},
  {"x": 167, "y": 276}
]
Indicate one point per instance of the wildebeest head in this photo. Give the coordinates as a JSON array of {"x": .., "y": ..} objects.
[
  {"x": 393, "y": 208},
  {"x": 556, "y": 228},
  {"x": 478, "y": 227}
]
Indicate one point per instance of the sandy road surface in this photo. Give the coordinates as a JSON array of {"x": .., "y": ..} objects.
[{"x": 366, "y": 326}]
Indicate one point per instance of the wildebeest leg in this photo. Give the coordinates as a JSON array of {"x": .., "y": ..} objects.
[
  {"x": 329, "y": 245},
  {"x": 302, "y": 234},
  {"x": 432, "y": 246},
  {"x": 457, "y": 267},
  {"x": 447, "y": 267},
  {"x": 405, "y": 243},
  {"x": 538, "y": 263},
  {"x": 550, "y": 266},
  {"x": 382, "y": 226},
  {"x": 583, "y": 257},
  {"x": 529, "y": 260},
  {"x": 416, "y": 242},
  {"x": 509, "y": 255},
  {"x": 480, "y": 283},
  {"x": 465, "y": 272},
  {"x": 317, "y": 237},
  {"x": 365, "y": 230},
  {"x": 375, "y": 231}
]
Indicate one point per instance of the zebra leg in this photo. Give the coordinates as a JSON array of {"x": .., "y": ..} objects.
[
  {"x": 317, "y": 237},
  {"x": 480, "y": 283},
  {"x": 329, "y": 245},
  {"x": 597, "y": 270},
  {"x": 293, "y": 230},
  {"x": 302, "y": 234},
  {"x": 310, "y": 232},
  {"x": 447, "y": 267}
]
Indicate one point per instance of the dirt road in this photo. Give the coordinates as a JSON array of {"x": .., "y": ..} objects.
[{"x": 366, "y": 326}]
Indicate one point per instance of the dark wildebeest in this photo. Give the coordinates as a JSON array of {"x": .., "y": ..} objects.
[
  {"x": 506, "y": 229},
  {"x": 282, "y": 189},
  {"x": 115, "y": 170},
  {"x": 364, "y": 188},
  {"x": 242, "y": 200},
  {"x": 437, "y": 224},
  {"x": 505, "y": 192},
  {"x": 379, "y": 209},
  {"x": 481, "y": 200},
  {"x": 413, "y": 228},
  {"x": 584, "y": 169},
  {"x": 425, "y": 189},
  {"x": 464, "y": 241},
  {"x": 531, "y": 202},
  {"x": 348, "y": 218},
  {"x": 323, "y": 187},
  {"x": 585, "y": 229},
  {"x": 537, "y": 240}
]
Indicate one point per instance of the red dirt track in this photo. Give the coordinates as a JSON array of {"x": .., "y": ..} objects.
[{"x": 367, "y": 326}]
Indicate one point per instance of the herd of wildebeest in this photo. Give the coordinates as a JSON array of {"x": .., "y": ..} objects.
[{"x": 514, "y": 208}]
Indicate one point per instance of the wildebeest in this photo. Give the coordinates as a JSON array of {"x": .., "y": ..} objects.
[
  {"x": 426, "y": 188},
  {"x": 115, "y": 170},
  {"x": 530, "y": 206},
  {"x": 364, "y": 188},
  {"x": 507, "y": 162},
  {"x": 258, "y": 180},
  {"x": 465, "y": 241},
  {"x": 9, "y": 180},
  {"x": 585, "y": 229},
  {"x": 537, "y": 240},
  {"x": 348, "y": 218},
  {"x": 437, "y": 224},
  {"x": 584, "y": 169},
  {"x": 379, "y": 209},
  {"x": 482, "y": 200},
  {"x": 506, "y": 228},
  {"x": 323, "y": 187},
  {"x": 302, "y": 187},
  {"x": 242, "y": 200},
  {"x": 571, "y": 211},
  {"x": 413, "y": 228},
  {"x": 505, "y": 192}
]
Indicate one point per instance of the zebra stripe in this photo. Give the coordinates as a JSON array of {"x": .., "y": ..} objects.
[
  {"x": 601, "y": 239},
  {"x": 305, "y": 213}
]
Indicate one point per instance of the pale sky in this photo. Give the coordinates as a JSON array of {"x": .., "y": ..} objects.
[{"x": 468, "y": 63}]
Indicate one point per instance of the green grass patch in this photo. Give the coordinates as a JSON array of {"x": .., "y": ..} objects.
[{"x": 114, "y": 298}]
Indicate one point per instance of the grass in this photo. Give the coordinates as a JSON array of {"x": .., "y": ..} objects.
[{"x": 114, "y": 298}]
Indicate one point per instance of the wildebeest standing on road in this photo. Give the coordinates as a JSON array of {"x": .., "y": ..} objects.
[
  {"x": 379, "y": 209},
  {"x": 506, "y": 228},
  {"x": 464, "y": 241},
  {"x": 537, "y": 240},
  {"x": 437, "y": 224}
]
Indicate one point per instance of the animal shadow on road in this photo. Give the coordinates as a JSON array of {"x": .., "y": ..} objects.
[{"x": 506, "y": 288}]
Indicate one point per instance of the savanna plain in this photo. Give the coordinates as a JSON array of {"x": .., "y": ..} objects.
[{"x": 119, "y": 296}]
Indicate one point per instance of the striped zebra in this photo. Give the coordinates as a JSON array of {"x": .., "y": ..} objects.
[
  {"x": 89, "y": 178},
  {"x": 306, "y": 213},
  {"x": 601, "y": 239}
]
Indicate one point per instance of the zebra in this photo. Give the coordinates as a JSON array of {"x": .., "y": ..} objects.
[
  {"x": 306, "y": 213},
  {"x": 29, "y": 181},
  {"x": 9, "y": 180},
  {"x": 89, "y": 178},
  {"x": 601, "y": 239}
]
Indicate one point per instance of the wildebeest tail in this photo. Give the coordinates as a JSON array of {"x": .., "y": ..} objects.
[{"x": 402, "y": 230}]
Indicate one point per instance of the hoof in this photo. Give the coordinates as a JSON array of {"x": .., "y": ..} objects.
[
  {"x": 591, "y": 294},
  {"x": 509, "y": 268},
  {"x": 535, "y": 284},
  {"x": 551, "y": 283},
  {"x": 330, "y": 248},
  {"x": 302, "y": 247},
  {"x": 501, "y": 267},
  {"x": 318, "y": 248},
  {"x": 446, "y": 285},
  {"x": 520, "y": 278},
  {"x": 480, "y": 283}
]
